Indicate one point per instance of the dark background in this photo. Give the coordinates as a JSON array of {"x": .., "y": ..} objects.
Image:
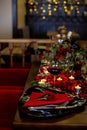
[{"x": 38, "y": 27}]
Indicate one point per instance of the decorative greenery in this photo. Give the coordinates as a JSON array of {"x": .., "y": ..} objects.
[
  {"x": 73, "y": 60},
  {"x": 67, "y": 55}
]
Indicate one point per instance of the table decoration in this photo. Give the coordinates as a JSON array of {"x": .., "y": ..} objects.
[
  {"x": 39, "y": 103},
  {"x": 73, "y": 61},
  {"x": 42, "y": 99}
]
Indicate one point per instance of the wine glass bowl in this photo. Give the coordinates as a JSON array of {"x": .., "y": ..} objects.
[{"x": 54, "y": 69}]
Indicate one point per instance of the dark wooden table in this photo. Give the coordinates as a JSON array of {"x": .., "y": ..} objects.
[{"x": 75, "y": 121}]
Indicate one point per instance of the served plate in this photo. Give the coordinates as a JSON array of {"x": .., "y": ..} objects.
[{"x": 51, "y": 110}]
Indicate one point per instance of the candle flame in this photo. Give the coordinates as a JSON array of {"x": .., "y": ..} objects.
[
  {"x": 77, "y": 87},
  {"x": 59, "y": 79},
  {"x": 71, "y": 77}
]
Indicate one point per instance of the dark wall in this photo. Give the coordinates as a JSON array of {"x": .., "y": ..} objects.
[{"x": 38, "y": 27}]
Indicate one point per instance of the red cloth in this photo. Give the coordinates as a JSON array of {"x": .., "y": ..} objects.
[
  {"x": 12, "y": 81},
  {"x": 19, "y": 65},
  {"x": 9, "y": 96},
  {"x": 13, "y": 76},
  {"x": 52, "y": 99}
]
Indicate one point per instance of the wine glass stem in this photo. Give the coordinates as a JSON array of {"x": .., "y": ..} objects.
[{"x": 54, "y": 81}]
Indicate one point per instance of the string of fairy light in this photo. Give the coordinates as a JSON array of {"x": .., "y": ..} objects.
[
  {"x": 49, "y": 7},
  {"x": 70, "y": 5}
]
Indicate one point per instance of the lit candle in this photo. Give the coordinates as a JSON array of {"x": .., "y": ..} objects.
[
  {"x": 59, "y": 79},
  {"x": 71, "y": 77},
  {"x": 42, "y": 81},
  {"x": 78, "y": 88}
]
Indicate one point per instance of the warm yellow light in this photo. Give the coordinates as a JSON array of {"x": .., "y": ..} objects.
[
  {"x": 41, "y": 8},
  {"x": 72, "y": 7},
  {"x": 77, "y": 87},
  {"x": 64, "y": 2},
  {"x": 66, "y": 10},
  {"x": 49, "y": 7},
  {"x": 50, "y": 13},
  {"x": 42, "y": 81},
  {"x": 59, "y": 79},
  {"x": 31, "y": 3},
  {"x": 35, "y": 10},
  {"x": 53, "y": 0},
  {"x": 49, "y": 4},
  {"x": 36, "y": 3},
  {"x": 55, "y": 9},
  {"x": 78, "y": 12},
  {"x": 71, "y": 77},
  {"x": 78, "y": 2},
  {"x": 30, "y": 10},
  {"x": 44, "y": 11},
  {"x": 43, "y": 17},
  {"x": 65, "y": 7},
  {"x": 54, "y": 5},
  {"x": 56, "y": 2}
]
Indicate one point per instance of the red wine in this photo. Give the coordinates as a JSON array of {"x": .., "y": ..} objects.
[{"x": 54, "y": 70}]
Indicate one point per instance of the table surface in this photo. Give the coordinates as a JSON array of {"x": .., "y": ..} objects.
[{"x": 74, "y": 121}]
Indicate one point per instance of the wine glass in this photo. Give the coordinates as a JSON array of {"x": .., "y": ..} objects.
[{"x": 54, "y": 69}]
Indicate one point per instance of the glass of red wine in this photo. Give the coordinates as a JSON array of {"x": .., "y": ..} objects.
[{"x": 54, "y": 69}]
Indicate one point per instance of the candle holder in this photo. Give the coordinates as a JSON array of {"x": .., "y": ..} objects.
[{"x": 78, "y": 90}]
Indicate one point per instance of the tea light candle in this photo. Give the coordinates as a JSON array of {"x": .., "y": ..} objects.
[
  {"x": 78, "y": 88},
  {"x": 59, "y": 79},
  {"x": 42, "y": 81},
  {"x": 71, "y": 77}
]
